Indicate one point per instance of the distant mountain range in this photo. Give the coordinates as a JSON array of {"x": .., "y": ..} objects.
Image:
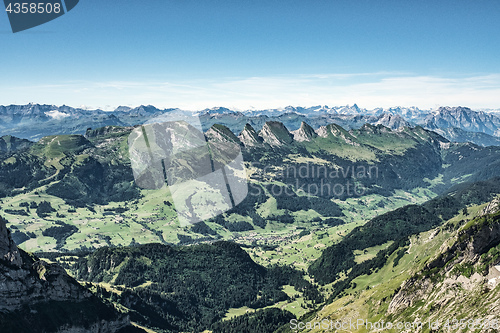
[
  {"x": 34, "y": 121},
  {"x": 463, "y": 118}
]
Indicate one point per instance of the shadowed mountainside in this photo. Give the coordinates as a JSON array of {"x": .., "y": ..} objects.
[{"x": 36, "y": 296}]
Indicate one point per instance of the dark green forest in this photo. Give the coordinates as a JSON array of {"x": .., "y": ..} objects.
[
  {"x": 189, "y": 288},
  {"x": 396, "y": 226}
]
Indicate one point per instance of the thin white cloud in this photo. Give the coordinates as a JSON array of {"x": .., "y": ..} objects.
[
  {"x": 55, "y": 114},
  {"x": 368, "y": 90}
]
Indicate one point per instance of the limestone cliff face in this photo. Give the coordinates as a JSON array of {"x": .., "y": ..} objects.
[
  {"x": 304, "y": 133},
  {"x": 220, "y": 133},
  {"x": 492, "y": 207},
  {"x": 8, "y": 250},
  {"x": 331, "y": 130},
  {"x": 25, "y": 278},
  {"x": 36, "y": 280},
  {"x": 249, "y": 136},
  {"x": 276, "y": 134},
  {"x": 36, "y": 296}
]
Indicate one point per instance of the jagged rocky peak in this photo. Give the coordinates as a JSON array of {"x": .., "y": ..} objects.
[
  {"x": 123, "y": 108},
  {"x": 492, "y": 207},
  {"x": 304, "y": 133},
  {"x": 331, "y": 129},
  {"x": 354, "y": 109},
  {"x": 24, "y": 279},
  {"x": 454, "y": 109},
  {"x": 8, "y": 250},
  {"x": 275, "y": 133},
  {"x": 222, "y": 134},
  {"x": 392, "y": 121},
  {"x": 27, "y": 111},
  {"x": 249, "y": 136}
]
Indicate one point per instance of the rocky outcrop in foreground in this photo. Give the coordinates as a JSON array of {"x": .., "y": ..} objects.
[
  {"x": 465, "y": 270},
  {"x": 36, "y": 296}
]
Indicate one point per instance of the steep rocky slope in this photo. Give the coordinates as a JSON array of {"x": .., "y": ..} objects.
[
  {"x": 304, "y": 133},
  {"x": 276, "y": 134},
  {"x": 36, "y": 296},
  {"x": 249, "y": 136},
  {"x": 448, "y": 276}
]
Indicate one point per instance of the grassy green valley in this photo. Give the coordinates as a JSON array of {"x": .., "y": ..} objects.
[
  {"x": 88, "y": 183},
  {"x": 443, "y": 275},
  {"x": 296, "y": 248}
]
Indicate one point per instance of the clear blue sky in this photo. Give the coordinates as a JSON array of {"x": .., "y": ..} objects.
[{"x": 253, "y": 53}]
